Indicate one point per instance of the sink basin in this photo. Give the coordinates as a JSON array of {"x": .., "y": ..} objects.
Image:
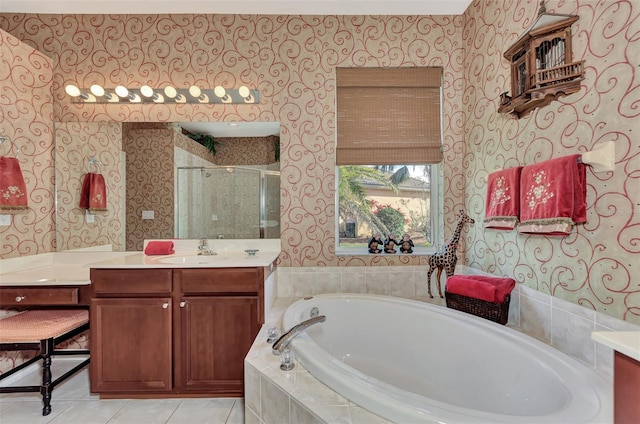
[{"x": 193, "y": 260}]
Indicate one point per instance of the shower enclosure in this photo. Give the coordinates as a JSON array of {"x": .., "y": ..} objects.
[{"x": 231, "y": 202}]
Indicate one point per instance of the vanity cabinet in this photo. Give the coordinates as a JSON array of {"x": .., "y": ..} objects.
[
  {"x": 171, "y": 332},
  {"x": 57, "y": 295}
]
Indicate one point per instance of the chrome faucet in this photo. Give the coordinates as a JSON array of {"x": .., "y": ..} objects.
[
  {"x": 204, "y": 249},
  {"x": 283, "y": 342}
]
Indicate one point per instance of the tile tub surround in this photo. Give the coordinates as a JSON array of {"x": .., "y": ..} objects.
[
  {"x": 562, "y": 324},
  {"x": 273, "y": 396}
]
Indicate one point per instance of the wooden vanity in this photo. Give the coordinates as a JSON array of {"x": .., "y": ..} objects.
[
  {"x": 161, "y": 326},
  {"x": 626, "y": 373},
  {"x": 173, "y": 332}
]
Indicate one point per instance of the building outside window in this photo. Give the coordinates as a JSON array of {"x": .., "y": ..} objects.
[{"x": 369, "y": 204}]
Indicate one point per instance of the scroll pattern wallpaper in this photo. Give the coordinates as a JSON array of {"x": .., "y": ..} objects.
[
  {"x": 291, "y": 60},
  {"x": 26, "y": 114},
  {"x": 597, "y": 265},
  {"x": 150, "y": 184},
  {"x": 76, "y": 143}
]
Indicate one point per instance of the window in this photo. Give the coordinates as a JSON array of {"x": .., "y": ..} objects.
[
  {"x": 382, "y": 200},
  {"x": 388, "y": 146}
]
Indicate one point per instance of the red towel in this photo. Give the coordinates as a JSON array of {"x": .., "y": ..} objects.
[
  {"x": 491, "y": 289},
  {"x": 159, "y": 248},
  {"x": 93, "y": 194},
  {"x": 503, "y": 199},
  {"x": 13, "y": 190},
  {"x": 553, "y": 196}
]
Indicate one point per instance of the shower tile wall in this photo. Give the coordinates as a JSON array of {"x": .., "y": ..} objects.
[{"x": 189, "y": 193}]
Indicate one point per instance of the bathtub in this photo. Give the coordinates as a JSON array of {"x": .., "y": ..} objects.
[{"x": 413, "y": 362}]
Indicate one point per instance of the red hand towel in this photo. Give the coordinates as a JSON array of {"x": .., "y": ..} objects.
[
  {"x": 159, "y": 248},
  {"x": 471, "y": 288},
  {"x": 504, "y": 285},
  {"x": 13, "y": 190},
  {"x": 503, "y": 199},
  {"x": 553, "y": 196},
  {"x": 93, "y": 194},
  {"x": 476, "y": 286}
]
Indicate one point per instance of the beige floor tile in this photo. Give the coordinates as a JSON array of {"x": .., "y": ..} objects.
[
  {"x": 72, "y": 403},
  {"x": 202, "y": 411}
]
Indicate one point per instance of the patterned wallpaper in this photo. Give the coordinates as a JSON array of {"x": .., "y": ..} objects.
[
  {"x": 291, "y": 60},
  {"x": 597, "y": 265},
  {"x": 26, "y": 116},
  {"x": 245, "y": 151},
  {"x": 75, "y": 144},
  {"x": 150, "y": 156}
]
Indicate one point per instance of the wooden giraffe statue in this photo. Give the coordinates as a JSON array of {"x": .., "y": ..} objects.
[{"x": 446, "y": 257}]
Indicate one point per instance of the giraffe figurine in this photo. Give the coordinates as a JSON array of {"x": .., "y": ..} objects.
[{"x": 446, "y": 257}]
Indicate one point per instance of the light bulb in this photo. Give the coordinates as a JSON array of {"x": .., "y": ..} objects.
[
  {"x": 122, "y": 91},
  {"x": 97, "y": 90},
  {"x": 170, "y": 92},
  {"x": 244, "y": 91},
  {"x": 219, "y": 91},
  {"x": 146, "y": 91},
  {"x": 72, "y": 90},
  {"x": 195, "y": 91}
]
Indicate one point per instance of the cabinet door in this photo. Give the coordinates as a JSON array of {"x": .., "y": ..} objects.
[
  {"x": 216, "y": 333},
  {"x": 131, "y": 345}
]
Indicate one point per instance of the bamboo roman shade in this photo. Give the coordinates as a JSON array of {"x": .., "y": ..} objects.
[{"x": 388, "y": 116}]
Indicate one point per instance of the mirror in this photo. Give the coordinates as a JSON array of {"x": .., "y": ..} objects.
[{"x": 140, "y": 163}]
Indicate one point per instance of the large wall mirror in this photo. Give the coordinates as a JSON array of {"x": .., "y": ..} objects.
[{"x": 161, "y": 183}]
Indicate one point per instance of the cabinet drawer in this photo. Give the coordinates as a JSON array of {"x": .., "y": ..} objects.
[
  {"x": 29, "y": 296},
  {"x": 131, "y": 281},
  {"x": 216, "y": 280}
]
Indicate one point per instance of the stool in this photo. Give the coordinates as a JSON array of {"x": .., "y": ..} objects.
[{"x": 43, "y": 330}]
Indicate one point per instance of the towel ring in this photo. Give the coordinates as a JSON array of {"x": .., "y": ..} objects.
[
  {"x": 94, "y": 162},
  {"x": 12, "y": 145}
]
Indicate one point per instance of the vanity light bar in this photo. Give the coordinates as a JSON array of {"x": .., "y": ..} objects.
[{"x": 169, "y": 95}]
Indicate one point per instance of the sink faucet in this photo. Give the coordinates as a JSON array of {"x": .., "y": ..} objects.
[
  {"x": 204, "y": 249},
  {"x": 283, "y": 342}
]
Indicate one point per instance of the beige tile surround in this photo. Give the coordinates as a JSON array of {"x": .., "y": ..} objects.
[{"x": 273, "y": 396}]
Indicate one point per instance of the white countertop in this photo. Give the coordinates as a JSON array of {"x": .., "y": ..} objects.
[
  {"x": 625, "y": 342},
  {"x": 73, "y": 267},
  {"x": 189, "y": 259},
  {"x": 51, "y": 269}
]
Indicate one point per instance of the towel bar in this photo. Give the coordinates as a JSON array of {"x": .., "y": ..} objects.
[
  {"x": 601, "y": 159},
  {"x": 12, "y": 145},
  {"x": 93, "y": 161}
]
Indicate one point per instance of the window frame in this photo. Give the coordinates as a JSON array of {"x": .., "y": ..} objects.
[{"x": 436, "y": 219}]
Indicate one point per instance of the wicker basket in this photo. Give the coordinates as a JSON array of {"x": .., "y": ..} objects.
[{"x": 496, "y": 312}]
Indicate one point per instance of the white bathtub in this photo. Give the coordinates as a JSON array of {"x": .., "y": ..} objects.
[{"x": 411, "y": 362}]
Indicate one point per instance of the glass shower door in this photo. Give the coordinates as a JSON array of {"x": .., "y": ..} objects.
[{"x": 227, "y": 202}]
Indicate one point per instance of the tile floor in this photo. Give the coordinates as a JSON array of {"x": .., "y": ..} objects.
[{"x": 73, "y": 404}]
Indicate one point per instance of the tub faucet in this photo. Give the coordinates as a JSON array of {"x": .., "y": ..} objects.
[
  {"x": 283, "y": 342},
  {"x": 204, "y": 249}
]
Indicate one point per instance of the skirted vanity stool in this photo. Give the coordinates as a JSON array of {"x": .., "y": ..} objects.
[{"x": 43, "y": 330}]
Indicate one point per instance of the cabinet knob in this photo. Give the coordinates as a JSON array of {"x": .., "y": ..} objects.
[
  {"x": 182, "y": 304},
  {"x": 20, "y": 298},
  {"x": 165, "y": 305}
]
